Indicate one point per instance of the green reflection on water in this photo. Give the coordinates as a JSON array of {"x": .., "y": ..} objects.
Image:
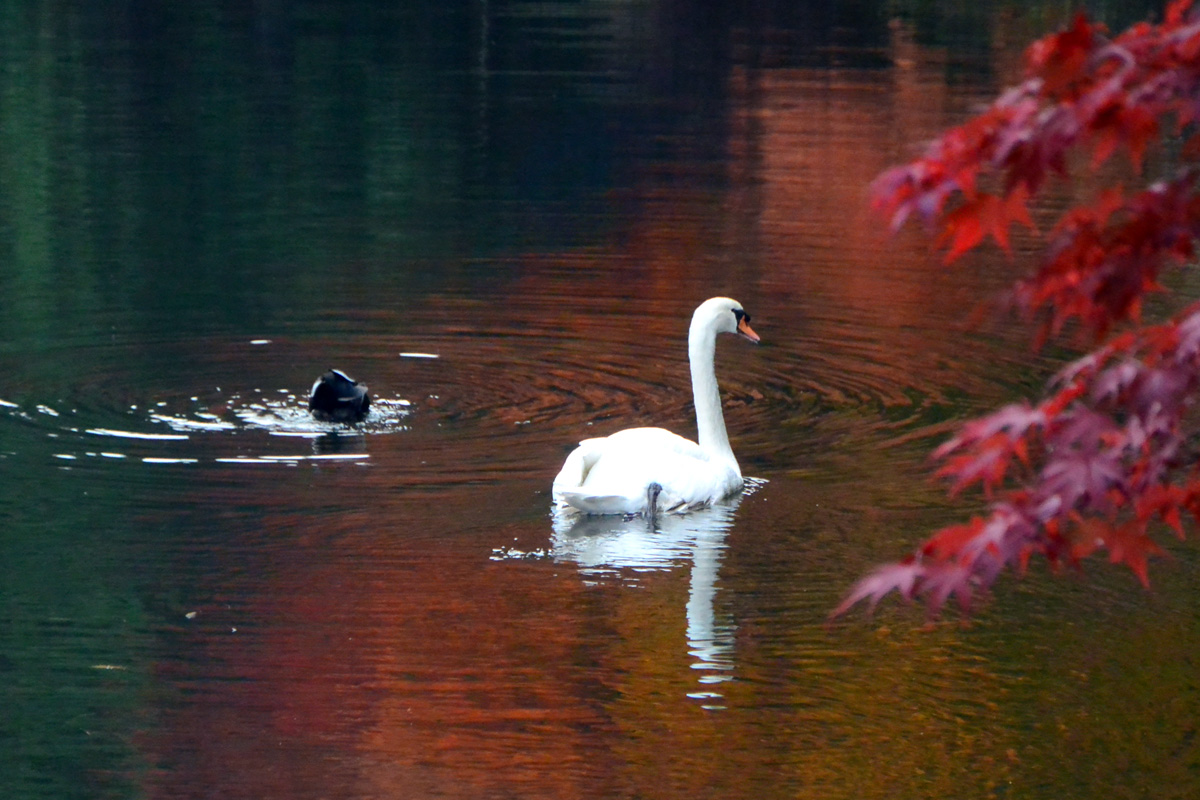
[{"x": 73, "y": 636}]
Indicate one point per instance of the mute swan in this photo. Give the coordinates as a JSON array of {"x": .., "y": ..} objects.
[
  {"x": 644, "y": 470},
  {"x": 338, "y": 397}
]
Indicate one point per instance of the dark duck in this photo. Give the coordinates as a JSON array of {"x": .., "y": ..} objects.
[{"x": 339, "y": 398}]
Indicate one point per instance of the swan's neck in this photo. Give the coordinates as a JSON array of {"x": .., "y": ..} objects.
[{"x": 710, "y": 422}]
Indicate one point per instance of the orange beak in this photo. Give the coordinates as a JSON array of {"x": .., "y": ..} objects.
[{"x": 745, "y": 330}]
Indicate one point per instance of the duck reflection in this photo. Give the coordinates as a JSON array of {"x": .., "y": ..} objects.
[
  {"x": 602, "y": 546},
  {"x": 338, "y": 442}
]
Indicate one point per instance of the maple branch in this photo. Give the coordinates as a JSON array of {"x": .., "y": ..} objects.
[
  {"x": 1111, "y": 448},
  {"x": 1117, "y": 456}
]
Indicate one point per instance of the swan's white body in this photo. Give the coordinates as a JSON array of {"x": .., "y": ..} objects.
[{"x": 625, "y": 472}]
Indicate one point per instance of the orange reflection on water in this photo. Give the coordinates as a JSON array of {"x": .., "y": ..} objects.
[{"x": 355, "y": 662}]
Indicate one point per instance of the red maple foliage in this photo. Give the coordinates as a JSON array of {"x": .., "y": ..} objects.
[{"x": 1110, "y": 452}]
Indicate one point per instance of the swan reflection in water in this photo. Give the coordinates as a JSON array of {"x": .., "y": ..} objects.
[{"x": 604, "y": 546}]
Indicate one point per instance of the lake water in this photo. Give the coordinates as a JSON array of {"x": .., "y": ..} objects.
[{"x": 501, "y": 216}]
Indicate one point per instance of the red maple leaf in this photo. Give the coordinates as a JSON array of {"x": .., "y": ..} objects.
[
  {"x": 1164, "y": 501},
  {"x": 1060, "y": 59},
  {"x": 949, "y": 541},
  {"x": 901, "y": 577},
  {"x": 985, "y": 214},
  {"x": 1128, "y": 544}
]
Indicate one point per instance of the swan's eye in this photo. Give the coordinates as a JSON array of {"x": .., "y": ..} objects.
[{"x": 741, "y": 316}]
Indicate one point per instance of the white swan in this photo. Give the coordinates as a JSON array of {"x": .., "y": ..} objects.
[{"x": 643, "y": 470}]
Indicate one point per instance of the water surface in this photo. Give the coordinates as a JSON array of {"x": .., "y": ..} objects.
[{"x": 501, "y": 218}]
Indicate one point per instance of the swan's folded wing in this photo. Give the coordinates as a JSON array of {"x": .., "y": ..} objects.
[
  {"x": 611, "y": 475},
  {"x": 598, "y": 503}
]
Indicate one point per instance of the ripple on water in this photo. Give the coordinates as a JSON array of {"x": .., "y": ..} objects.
[
  {"x": 282, "y": 415},
  {"x": 501, "y": 392},
  {"x": 611, "y": 363},
  {"x": 177, "y": 431}
]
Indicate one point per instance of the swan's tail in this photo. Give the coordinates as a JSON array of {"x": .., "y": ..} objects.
[
  {"x": 575, "y": 469},
  {"x": 568, "y": 484}
]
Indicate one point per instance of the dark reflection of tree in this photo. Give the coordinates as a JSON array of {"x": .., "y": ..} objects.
[{"x": 206, "y": 162}]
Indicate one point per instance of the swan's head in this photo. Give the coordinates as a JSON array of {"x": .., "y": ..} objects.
[{"x": 724, "y": 315}]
